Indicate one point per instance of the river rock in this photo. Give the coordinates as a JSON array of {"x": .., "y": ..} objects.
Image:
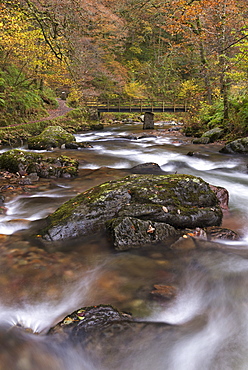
[
  {"x": 130, "y": 232},
  {"x": 114, "y": 340},
  {"x": 239, "y": 146},
  {"x": 88, "y": 319},
  {"x": 26, "y": 163},
  {"x": 214, "y": 134},
  {"x": 148, "y": 167},
  {"x": 209, "y": 136},
  {"x": 163, "y": 292},
  {"x": 222, "y": 195},
  {"x": 75, "y": 145},
  {"x": 182, "y": 201},
  {"x": 201, "y": 140},
  {"x": 215, "y": 233},
  {"x": 51, "y": 137}
]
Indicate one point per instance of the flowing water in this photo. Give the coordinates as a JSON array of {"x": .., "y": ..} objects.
[{"x": 209, "y": 312}]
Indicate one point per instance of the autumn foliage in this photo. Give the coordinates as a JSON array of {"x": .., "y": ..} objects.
[{"x": 194, "y": 50}]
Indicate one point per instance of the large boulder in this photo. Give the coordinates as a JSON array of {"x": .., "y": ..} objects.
[
  {"x": 239, "y": 146},
  {"x": 51, "y": 137},
  {"x": 182, "y": 201},
  {"x": 214, "y": 134},
  {"x": 25, "y": 163},
  {"x": 210, "y": 136}
]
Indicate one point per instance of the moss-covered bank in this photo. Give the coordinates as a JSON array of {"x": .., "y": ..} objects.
[
  {"x": 74, "y": 121},
  {"x": 25, "y": 163},
  {"x": 211, "y": 116}
]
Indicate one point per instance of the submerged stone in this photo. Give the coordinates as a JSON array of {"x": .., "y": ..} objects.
[
  {"x": 109, "y": 337},
  {"x": 182, "y": 201},
  {"x": 88, "y": 319}
]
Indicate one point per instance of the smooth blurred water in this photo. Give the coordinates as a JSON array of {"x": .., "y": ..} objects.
[{"x": 209, "y": 313}]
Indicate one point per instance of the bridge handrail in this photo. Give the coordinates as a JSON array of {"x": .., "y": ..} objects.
[{"x": 134, "y": 103}]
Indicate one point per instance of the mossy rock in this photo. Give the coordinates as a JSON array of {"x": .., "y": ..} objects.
[
  {"x": 239, "y": 146},
  {"x": 77, "y": 145},
  {"x": 24, "y": 163},
  {"x": 201, "y": 140},
  {"x": 131, "y": 232},
  {"x": 209, "y": 136},
  {"x": 214, "y": 134},
  {"x": 51, "y": 137},
  {"x": 182, "y": 201}
]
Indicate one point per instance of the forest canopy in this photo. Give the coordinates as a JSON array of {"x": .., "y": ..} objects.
[{"x": 194, "y": 50}]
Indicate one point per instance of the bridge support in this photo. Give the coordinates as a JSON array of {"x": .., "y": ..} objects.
[{"x": 148, "y": 121}]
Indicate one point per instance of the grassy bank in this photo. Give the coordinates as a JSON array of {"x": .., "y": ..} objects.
[
  {"x": 211, "y": 116},
  {"x": 74, "y": 121}
]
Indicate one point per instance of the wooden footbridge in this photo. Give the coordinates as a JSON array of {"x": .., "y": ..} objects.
[{"x": 136, "y": 106}]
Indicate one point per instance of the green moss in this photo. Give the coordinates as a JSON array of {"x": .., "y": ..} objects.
[
  {"x": 14, "y": 160},
  {"x": 52, "y": 136},
  {"x": 144, "y": 189}
]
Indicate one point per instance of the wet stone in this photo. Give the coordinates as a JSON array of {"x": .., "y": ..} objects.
[
  {"x": 215, "y": 233},
  {"x": 131, "y": 232},
  {"x": 184, "y": 243},
  {"x": 23, "y": 163},
  {"x": 51, "y": 137},
  {"x": 163, "y": 291},
  {"x": 146, "y": 205},
  {"x": 147, "y": 168}
]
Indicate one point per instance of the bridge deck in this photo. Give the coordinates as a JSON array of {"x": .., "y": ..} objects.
[
  {"x": 136, "y": 106},
  {"x": 138, "y": 109}
]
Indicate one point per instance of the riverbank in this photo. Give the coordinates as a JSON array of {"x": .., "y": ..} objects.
[{"x": 72, "y": 120}]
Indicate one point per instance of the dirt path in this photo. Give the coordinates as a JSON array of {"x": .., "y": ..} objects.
[
  {"x": 58, "y": 112},
  {"x": 54, "y": 113}
]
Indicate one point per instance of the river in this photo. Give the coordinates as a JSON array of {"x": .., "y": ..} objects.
[{"x": 210, "y": 308}]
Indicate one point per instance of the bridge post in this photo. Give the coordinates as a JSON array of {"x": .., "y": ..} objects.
[{"x": 148, "y": 121}]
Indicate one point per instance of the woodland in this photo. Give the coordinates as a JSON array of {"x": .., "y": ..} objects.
[{"x": 195, "y": 51}]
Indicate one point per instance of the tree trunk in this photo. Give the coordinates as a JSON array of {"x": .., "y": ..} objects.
[
  {"x": 223, "y": 63},
  {"x": 204, "y": 62}
]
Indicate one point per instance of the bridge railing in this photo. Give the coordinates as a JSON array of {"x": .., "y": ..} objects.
[{"x": 136, "y": 104}]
